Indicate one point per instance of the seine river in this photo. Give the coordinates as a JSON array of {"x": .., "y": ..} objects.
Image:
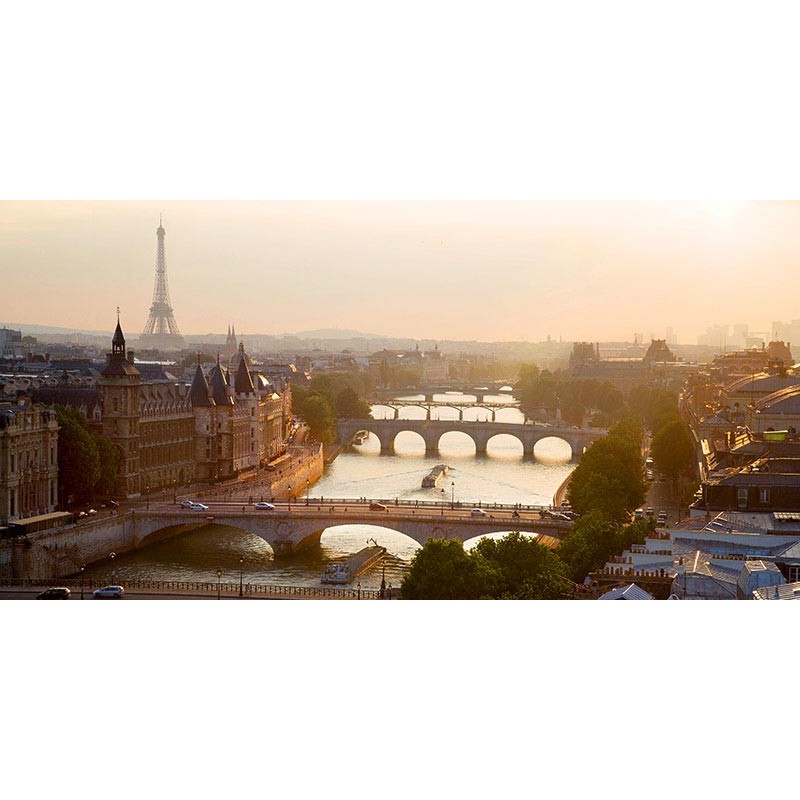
[{"x": 500, "y": 476}]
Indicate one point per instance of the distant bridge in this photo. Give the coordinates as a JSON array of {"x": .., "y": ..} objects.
[
  {"x": 478, "y": 392},
  {"x": 480, "y": 432},
  {"x": 396, "y": 405}
]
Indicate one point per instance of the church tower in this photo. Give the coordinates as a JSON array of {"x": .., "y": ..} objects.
[{"x": 119, "y": 387}]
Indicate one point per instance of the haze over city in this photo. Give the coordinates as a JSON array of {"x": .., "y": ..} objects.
[{"x": 488, "y": 271}]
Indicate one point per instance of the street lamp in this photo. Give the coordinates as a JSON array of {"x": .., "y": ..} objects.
[
  {"x": 452, "y": 495},
  {"x": 219, "y": 583},
  {"x": 241, "y": 568},
  {"x": 308, "y": 487},
  {"x": 290, "y": 497},
  {"x": 147, "y": 496},
  {"x": 83, "y": 567},
  {"x": 112, "y": 556}
]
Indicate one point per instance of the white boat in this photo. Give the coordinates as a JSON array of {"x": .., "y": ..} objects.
[{"x": 336, "y": 573}]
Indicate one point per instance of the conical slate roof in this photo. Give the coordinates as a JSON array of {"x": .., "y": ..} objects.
[
  {"x": 199, "y": 391},
  {"x": 219, "y": 386},
  {"x": 243, "y": 383}
]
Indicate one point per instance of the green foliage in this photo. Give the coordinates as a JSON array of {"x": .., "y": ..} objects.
[
  {"x": 609, "y": 477},
  {"x": 672, "y": 451},
  {"x": 330, "y": 395},
  {"x": 515, "y": 567},
  {"x": 350, "y": 406},
  {"x": 318, "y": 413},
  {"x": 527, "y": 570},
  {"x": 653, "y": 405},
  {"x": 110, "y": 457},
  {"x": 78, "y": 457},
  {"x": 594, "y": 539},
  {"x": 443, "y": 570}
]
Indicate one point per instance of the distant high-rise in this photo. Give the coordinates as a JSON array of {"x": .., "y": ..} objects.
[{"x": 161, "y": 331}]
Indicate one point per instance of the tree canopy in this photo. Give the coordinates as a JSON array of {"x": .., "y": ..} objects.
[{"x": 87, "y": 461}]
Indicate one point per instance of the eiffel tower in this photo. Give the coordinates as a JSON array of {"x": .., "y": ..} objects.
[{"x": 161, "y": 331}]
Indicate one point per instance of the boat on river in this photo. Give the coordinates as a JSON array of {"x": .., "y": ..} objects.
[
  {"x": 360, "y": 437},
  {"x": 347, "y": 571},
  {"x": 434, "y": 477}
]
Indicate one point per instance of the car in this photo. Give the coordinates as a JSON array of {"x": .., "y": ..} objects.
[
  {"x": 187, "y": 503},
  {"x": 198, "y": 507},
  {"x": 91, "y": 512},
  {"x": 650, "y": 511},
  {"x": 639, "y": 513},
  {"x": 377, "y": 507},
  {"x": 265, "y": 506},
  {"x": 54, "y": 593},
  {"x": 114, "y": 591},
  {"x": 113, "y": 503},
  {"x": 477, "y": 512}
]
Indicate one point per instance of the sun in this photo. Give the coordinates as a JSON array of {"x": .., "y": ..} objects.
[{"x": 724, "y": 209}]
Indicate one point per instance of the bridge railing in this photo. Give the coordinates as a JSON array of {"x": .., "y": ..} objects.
[
  {"x": 208, "y": 587},
  {"x": 395, "y": 502}
]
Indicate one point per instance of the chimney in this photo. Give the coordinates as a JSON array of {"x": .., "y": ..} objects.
[{"x": 130, "y": 356}]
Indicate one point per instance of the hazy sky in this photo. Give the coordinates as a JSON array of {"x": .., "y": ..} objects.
[{"x": 442, "y": 270}]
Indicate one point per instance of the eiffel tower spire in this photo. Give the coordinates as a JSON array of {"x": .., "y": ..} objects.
[{"x": 161, "y": 331}]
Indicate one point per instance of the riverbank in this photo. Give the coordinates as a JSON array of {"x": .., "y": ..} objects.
[{"x": 561, "y": 493}]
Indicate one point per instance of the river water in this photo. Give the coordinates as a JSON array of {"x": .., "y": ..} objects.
[{"x": 503, "y": 475}]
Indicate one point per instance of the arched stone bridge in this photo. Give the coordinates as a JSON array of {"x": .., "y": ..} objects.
[
  {"x": 287, "y": 532},
  {"x": 396, "y": 405},
  {"x": 481, "y": 432}
]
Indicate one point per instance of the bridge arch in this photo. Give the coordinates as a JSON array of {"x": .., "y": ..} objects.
[
  {"x": 504, "y": 443},
  {"x": 554, "y": 449}
]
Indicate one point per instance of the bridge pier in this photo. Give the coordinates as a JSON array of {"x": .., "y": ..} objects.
[{"x": 388, "y": 448}]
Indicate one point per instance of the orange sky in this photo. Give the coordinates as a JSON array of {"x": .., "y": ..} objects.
[{"x": 441, "y": 270}]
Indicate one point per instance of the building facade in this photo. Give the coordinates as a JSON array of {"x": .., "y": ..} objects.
[{"x": 28, "y": 461}]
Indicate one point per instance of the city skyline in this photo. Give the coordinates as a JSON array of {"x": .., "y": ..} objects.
[{"x": 465, "y": 270}]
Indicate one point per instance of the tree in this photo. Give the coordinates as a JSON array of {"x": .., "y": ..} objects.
[
  {"x": 350, "y": 406},
  {"x": 442, "y": 570},
  {"x": 78, "y": 458},
  {"x": 527, "y": 569},
  {"x": 592, "y": 540},
  {"x": 673, "y": 452},
  {"x": 110, "y": 457},
  {"x": 609, "y": 476},
  {"x": 318, "y": 414}
]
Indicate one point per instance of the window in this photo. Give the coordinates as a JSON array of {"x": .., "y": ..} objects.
[
  {"x": 763, "y": 495},
  {"x": 741, "y": 497},
  {"x": 116, "y": 404}
]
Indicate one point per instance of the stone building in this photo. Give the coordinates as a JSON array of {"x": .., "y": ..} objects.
[
  {"x": 241, "y": 418},
  {"x": 28, "y": 461}
]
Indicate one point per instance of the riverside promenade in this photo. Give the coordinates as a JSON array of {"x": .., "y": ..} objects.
[{"x": 141, "y": 589}]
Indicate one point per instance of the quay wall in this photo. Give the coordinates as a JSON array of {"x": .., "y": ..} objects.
[
  {"x": 62, "y": 551},
  {"x": 308, "y": 468}
]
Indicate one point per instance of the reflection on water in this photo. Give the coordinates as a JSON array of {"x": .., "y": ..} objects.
[{"x": 502, "y": 476}]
